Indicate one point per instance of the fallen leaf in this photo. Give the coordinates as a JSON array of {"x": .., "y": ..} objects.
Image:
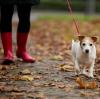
[
  {"x": 15, "y": 89},
  {"x": 39, "y": 58},
  {"x": 17, "y": 97},
  {"x": 41, "y": 96},
  {"x": 26, "y": 77},
  {"x": 61, "y": 86},
  {"x": 46, "y": 84},
  {"x": 67, "y": 68},
  {"x": 3, "y": 73},
  {"x": 3, "y": 67},
  {"x": 3, "y": 83},
  {"x": 2, "y": 88},
  {"x": 57, "y": 57},
  {"x": 69, "y": 87},
  {"x": 49, "y": 84},
  {"x": 85, "y": 84},
  {"x": 86, "y": 94},
  {"x": 17, "y": 77},
  {"x": 36, "y": 84},
  {"x": 37, "y": 96},
  {"x": 25, "y": 72},
  {"x": 6, "y": 88},
  {"x": 20, "y": 93},
  {"x": 37, "y": 77}
]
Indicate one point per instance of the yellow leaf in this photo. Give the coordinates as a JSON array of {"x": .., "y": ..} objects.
[
  {"x": 26, "y": 77},
  {"x": 65, "y": 67},
  {"x": 57, "y": 57}
]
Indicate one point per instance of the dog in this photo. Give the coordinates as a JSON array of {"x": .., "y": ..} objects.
[{"x": 84, "y": 55}]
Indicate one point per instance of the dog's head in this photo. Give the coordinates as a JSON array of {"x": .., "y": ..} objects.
[{"x": 87, "y": 43}]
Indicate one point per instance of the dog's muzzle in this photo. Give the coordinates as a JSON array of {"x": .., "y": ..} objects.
[{"x": 86, "y": 51}]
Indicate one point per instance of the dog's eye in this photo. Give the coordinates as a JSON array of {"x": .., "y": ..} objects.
[
  {"x": 90, "y": 44},
  {"x": 83, "y": 44}
]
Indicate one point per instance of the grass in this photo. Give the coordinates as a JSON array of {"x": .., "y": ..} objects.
[{"x": 80, "y": 17}]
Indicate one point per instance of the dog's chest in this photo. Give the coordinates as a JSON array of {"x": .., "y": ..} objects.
[{"x": 84, "y": 59}]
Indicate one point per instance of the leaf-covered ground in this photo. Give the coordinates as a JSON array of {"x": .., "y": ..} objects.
[{"x": 52, "y": 75}]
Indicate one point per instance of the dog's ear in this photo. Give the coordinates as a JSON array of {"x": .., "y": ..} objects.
[
  {"x": 94, "y": 38},
  {"x": 81, "y": 37}
]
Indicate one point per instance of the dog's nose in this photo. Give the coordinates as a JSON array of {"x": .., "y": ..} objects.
[{"x": 87, "y": 51}]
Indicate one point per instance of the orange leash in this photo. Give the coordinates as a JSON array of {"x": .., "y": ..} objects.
[{"x": 75, "y": 23}]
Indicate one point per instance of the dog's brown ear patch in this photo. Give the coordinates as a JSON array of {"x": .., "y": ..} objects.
[
  {"x": 94, "y": 38},
  {"x": 81, "y": 37}
]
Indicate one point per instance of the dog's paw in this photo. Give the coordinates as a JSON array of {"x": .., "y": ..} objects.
[
  {"x": 91, "y": 75},
  {"x": 85, "y": 73}
]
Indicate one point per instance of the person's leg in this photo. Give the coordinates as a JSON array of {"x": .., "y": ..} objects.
[
  {"x": 23, "y": 31},
  {"x": 6, "y": 29}
]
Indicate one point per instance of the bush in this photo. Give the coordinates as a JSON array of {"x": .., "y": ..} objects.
[{"x": 77, "y": 5}]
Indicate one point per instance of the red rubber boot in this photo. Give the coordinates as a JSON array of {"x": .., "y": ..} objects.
[
  {"x": 21, "y": 51},
  {"x": 7, "y": 46}
]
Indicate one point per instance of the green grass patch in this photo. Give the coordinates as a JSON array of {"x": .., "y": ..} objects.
[{"x": 62, "y": 17}]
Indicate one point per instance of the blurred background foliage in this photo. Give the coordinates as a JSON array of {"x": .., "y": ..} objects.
[{"x": 77, "y": 5}]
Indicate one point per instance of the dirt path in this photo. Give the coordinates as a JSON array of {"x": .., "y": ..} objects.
[{"x": 48, "y": 83}]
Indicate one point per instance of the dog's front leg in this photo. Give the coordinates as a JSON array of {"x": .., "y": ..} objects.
[
  {"x": 91, "y": 70},
  {"x": 84, "y": 71},
  {"x": 77, "y": 68}
]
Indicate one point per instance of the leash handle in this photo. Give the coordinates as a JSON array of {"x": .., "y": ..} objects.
[{"x": 75, "y": 23}]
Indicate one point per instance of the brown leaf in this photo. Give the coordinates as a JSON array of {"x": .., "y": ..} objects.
[
  {"x": 39, "y": 58},
  {"x": 61, "y": 86},
  {"x": 87, "y": 94},
  {"x": 37, "y": 84},
  {"x": 86, "y": 85},
  {"x": 2, "y": 88},
  {"x": 6, "y": 88},
  {"x": 3, "y": 67},
  {"x": 69, "y": 87},
  {"x": 17, "y": 77},
  {"x": 50, "y": 84},
  {"x": 25, "y": 72},
  {"x": 15, "y": 89},
  {"x": 3, "y": 72},
  {"x": 37, "y": 77},
  {"x": 17, "y": 97},
  {"x": 41, "y": 96}
]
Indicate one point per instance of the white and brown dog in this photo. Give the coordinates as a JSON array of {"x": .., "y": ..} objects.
[{"x": 84, "y": 54}]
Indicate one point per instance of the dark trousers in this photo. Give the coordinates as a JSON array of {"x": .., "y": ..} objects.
[{"x": 23, "y": 15}]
